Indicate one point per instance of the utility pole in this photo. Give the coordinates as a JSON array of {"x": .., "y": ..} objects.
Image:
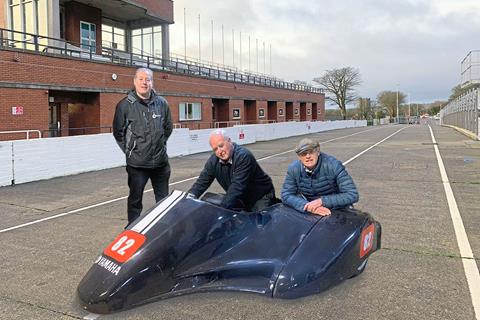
[
  {"x": 185, "y": 33},
  {"x": 212, "y": 41},
  {"x": 223, "y": 47},
  {"x": 199, "y": 41},
  {"x": 398, "y": 119}
]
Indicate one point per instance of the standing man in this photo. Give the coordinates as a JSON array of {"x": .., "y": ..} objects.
[
  {"x": 239, "y": 174},
  {"x": 141, "y": 126},
  {"x": 317, "y": 182}
]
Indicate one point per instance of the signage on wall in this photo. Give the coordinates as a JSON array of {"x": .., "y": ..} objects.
[
  {"x": 241, "y": 135},
  {"x": 236, "y": 113},
  {"x": 17, "y": 110}
]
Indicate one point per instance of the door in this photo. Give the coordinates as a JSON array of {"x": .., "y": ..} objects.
[{"x": 54, "y": 120}]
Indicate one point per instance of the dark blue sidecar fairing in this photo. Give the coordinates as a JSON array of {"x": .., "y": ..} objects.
[{"x": 184, "y": 245}]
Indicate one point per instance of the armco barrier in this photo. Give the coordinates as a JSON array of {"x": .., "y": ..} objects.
[{"x": 30, "y": 160}]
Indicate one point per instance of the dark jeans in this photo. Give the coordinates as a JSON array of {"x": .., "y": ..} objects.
[{"x": 137, "y": 179}]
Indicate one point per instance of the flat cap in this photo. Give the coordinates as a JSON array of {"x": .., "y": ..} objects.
[{"x": 306, "y": 145}]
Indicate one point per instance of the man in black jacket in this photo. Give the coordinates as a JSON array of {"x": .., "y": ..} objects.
[
  {"x": 237, "y": 171},
  {"x": 141, "y": 126}
]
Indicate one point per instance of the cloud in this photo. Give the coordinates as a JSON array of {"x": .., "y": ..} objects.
[{"x": 415, "y": 45}]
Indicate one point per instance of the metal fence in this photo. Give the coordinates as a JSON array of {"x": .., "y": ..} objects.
[
  {"x": 463, "y": 112},
  {"x": 11, "y": 39}
]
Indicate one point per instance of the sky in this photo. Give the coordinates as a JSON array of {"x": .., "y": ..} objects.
[{"x": 414, "y": 46}]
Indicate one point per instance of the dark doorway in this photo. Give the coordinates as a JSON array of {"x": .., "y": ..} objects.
[
  {"x": 289, "y": 111},
  {"x": 250, "y": 111},
  {"x": 54, "y": 119},
  {"x": 220, "y": 110},
  {"x": 314, "y": 111},
  {"x": 303, "y": 111},
  {"x": 272, "y": 110}
]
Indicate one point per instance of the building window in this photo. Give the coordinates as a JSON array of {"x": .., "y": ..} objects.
[
  {"x": 113, "y": 37},
  {"x": 147, "y": 41},
  {"x": 190, "y": 111},
  {"x": 28, "y": 17},
  {"x": 88, "y": 37}
]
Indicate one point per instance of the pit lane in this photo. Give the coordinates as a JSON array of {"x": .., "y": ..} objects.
[{"x": 417, "y": 275}]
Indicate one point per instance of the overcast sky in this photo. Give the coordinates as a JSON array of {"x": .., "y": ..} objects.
[{"x": 415, "y": 45}]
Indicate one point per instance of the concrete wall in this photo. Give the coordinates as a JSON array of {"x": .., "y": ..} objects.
[{"x": 30, "y": 160}]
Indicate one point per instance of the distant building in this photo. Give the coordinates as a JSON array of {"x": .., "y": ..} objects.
[
  {"x": 470, "y": 67},
  {"x": 66, "y": 64}
]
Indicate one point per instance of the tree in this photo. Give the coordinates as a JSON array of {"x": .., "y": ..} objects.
[
  {"x": 388, "y": 100},
  {"x": 458, "y": 90},
  {"x": 339, "y": 86},
  {"x": 365, "y": 108}
]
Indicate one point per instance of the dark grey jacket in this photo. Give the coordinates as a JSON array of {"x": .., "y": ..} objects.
[
  {"x": 142, "y": 130},
  {"x": 328, "y": 181},
  {"x": 242, "y": 180}
]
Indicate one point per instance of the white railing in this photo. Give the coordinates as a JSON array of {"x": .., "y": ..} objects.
[{"x": 38, "y": 132}]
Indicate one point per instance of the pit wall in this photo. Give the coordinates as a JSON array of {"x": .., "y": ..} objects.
[{"x": 31, "y": 160}]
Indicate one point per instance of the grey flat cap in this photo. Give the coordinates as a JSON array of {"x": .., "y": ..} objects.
[{"x": 306, "y": 145}]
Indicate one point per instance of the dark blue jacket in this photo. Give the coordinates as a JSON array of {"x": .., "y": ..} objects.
[
  {"x": 243, "y": 179},
  {"x": 329, "y": 181}
]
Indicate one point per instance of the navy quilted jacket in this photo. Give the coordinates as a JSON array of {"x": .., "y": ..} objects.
[{"x": 329, "y": 181}]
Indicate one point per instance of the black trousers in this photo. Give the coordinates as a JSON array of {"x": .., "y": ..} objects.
[{"x": 137, "y": 179}]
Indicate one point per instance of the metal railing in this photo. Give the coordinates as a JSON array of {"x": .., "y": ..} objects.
[
  {"x": 464, "y": 112},
  {"x": 51, "y": 133},
  {"x": 27, "y": 132},
  {"x": 16, "y": 40}
]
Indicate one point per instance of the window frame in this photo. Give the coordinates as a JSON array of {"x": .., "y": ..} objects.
[
  {"x": 91, "y": 47},
  {"x": 183, "y": 113}
]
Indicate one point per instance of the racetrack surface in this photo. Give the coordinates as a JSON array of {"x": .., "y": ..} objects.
[{"x": 418, "y": 274}]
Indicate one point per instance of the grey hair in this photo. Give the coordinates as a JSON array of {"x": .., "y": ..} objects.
[
  {"x": 146, "y": 70},
  {"x": 220, "y": 132}
]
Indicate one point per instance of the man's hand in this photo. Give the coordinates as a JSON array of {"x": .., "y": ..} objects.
[
  {"x": 316, "y": 207},
  {"x": 322, "y": 211},
  {"x": 312, "y": 205}
]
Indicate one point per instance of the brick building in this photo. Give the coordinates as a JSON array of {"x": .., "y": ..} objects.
[{"x": 66, "y": 64}]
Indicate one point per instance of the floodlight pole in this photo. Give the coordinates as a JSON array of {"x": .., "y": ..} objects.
[{"x": 398, "y": 118}]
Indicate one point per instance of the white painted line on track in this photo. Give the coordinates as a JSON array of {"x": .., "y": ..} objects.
[
  {"x": 469, "y": 265},
  {"x": 369, "y": 148},
  {"x": 338, "y": 138},
  {"x": 177, "y": 182}
]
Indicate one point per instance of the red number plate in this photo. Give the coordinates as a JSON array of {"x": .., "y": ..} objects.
[
  {"x": 125, "y": 245},
  {"x": 366, "y": 241}
]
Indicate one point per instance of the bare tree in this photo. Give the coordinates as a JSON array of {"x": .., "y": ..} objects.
[
  {"x": 388, "y": 100},
  {"x": 339, "y": 86}
]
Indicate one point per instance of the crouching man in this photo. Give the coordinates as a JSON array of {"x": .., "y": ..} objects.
[
  {"x": 317, "y": 182},
  {"x": 246, "y": 185}
]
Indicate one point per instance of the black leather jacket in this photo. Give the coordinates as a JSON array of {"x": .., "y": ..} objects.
[{"x": 142, "y": 128}]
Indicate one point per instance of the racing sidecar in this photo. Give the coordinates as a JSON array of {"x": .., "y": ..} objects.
[{"x": 185, "y": 245}]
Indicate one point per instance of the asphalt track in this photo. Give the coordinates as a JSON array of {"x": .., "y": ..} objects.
[{"x": 52, "y": 231}]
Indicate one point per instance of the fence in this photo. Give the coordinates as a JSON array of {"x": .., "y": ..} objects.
[
  {"x": 30, "y": 160},
  {"x": 11, "y": 39},
  {"x": 463, "y": 112}
]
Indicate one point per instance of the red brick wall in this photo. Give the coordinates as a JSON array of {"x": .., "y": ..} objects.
[
  {"x": 18, "y": 68},
  {"x": 76, "y": 12},
  {"x": 162, "y": 9},
  {"x": 35, "y": 110}
]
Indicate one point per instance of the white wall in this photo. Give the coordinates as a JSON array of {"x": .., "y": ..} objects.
[{"x": 54, "y": 157}]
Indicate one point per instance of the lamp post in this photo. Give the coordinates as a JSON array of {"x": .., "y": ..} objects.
[{"x": 398, "y": 119}]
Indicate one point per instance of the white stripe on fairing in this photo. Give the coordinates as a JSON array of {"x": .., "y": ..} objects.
[
  {"x": 162, "y": 215},
  {"x": 469, "y": 265},
  {"x": 152, "y": 215}
]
